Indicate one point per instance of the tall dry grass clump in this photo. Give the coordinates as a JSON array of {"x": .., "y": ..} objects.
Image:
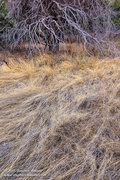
[{"x": 60, "y": 119}]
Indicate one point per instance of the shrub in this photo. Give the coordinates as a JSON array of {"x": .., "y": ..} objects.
[
  {"x": 4, "y": 21},
  {"x": 49, "y": 22},
  {"x": 3, "y": 14},
  {"x": 116, "y": 7}
]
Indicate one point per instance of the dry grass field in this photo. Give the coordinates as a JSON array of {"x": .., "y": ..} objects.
[{"x": 60, "y": 118}]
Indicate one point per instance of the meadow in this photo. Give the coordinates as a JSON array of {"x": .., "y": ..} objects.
[{"x": 59, "y": 117}]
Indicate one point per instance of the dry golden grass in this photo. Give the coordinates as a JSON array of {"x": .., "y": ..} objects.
[{"x": 60, "y": 118}]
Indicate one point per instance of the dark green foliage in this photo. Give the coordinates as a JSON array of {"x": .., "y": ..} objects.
[
  {"x": 116, "y": 7},
  {"x": 3, "y": 10},
  {"x": 116, "y": 19},
  {"x": 3, "y": 14},
  {"x": 4, "y": 21}
]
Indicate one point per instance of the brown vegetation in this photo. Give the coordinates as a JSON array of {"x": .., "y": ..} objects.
[{"x": 59, "y": 118}]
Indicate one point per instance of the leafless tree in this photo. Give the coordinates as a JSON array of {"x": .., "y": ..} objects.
[{"x": 49, "y": 22}]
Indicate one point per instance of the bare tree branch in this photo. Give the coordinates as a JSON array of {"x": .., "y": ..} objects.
[{"x": 49, "y": 22}]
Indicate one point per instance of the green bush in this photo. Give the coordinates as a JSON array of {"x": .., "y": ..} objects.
[
  {"x": 3, "y": 14},
  {"x": 3, "y": 10},
  {"x": 4, "y": 21},
  {"x": 116, "y": 7}
]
